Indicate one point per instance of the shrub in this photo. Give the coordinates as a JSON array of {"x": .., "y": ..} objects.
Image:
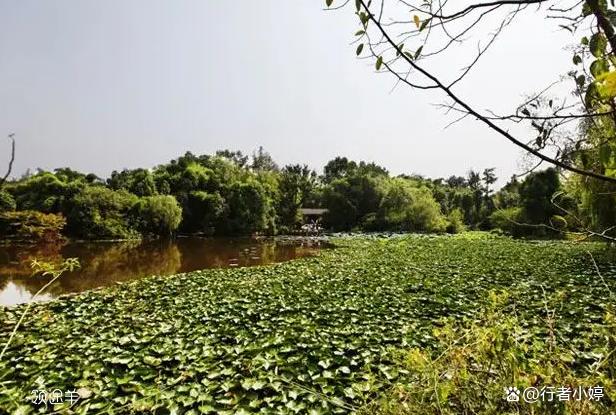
[
  {"x": 101, "y": 213},
  {"x": 349, "y": 199},
  {"x": 137, "y": 181},
  {"x": 43, "y": 192},
  {"x": 409, "y": 208},
  {"x": 507, "y": 220},
  {"x": 6, "y": 201},
  {"x": 424, "y": 214},
  {"x": 475, "y": 364},
  {"x": 246, "y": 208},
  {"x": 455, "y": 221},
  {"x": 202, "y": 212},
  {"x": 341, "y": 214},
  {"x": 31, "y": 226},
  {"x": 558, "y": 222},
  {"x": 157, "y": 215},
  {"x": 536, "y": 195}
]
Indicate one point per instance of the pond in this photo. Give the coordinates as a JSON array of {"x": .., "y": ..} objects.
[{"x": 106, "y": 263}]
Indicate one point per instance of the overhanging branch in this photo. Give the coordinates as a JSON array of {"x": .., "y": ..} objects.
[{"x": 440, "y": 85}]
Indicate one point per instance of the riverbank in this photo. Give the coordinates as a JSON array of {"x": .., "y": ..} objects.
[{"x": 314, "y": 334}]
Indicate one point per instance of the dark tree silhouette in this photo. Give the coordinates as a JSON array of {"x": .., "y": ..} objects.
[{"x": 11, "y": 161}]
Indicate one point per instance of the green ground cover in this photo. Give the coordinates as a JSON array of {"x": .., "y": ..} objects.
[{"x": 314, "y": 335}]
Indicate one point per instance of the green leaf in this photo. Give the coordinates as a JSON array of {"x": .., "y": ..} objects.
[
  {"x": 418, "y": 52},
  {"x": 599, "y": 67},
  {"x": 360, "y": 32},
  {"x": 152, "y": 361},
  {"x": 328, "y": 2},
  {"x": 364, "y": 18},
  {"x": 611, "y": 15},
  {"x": 379, "y": 63},
  {"x": 577, "y": 59},
  {"x": 597, "y": 44},
  {"x": 605, "y": 154},
  {"x": 424, "y": 24},
  {"x": 592, "y": 95},
  {"x": 360, "y": 47}
]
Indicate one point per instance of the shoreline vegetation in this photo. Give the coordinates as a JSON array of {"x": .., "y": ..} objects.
[
  {"x": 316, "y": 335},
  {"x": 229, "y": 194}
]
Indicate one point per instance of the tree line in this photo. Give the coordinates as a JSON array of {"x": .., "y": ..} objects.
[{"x": 229, "y": 193}]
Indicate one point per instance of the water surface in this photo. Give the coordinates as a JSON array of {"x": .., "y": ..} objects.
[{"x": 105, "y": 263}]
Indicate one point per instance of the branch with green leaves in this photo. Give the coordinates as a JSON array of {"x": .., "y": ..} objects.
[
  {"x": 45, "y": 269},
  {"x": 402, "y": 35}
]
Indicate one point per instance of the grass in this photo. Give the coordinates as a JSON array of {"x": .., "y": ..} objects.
[{"x": 317, "y": 335}]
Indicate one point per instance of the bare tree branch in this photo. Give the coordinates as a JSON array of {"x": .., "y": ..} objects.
[
  {"x": 463, "y": 104},
  {"x": 489, "y": 4},
  {"x": 11, "y": 161}
]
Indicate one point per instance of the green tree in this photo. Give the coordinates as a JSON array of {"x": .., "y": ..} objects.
[
  {"x": 263, "y": 161},
  {"x": 101, "y": 213},
  {"x": 202, "y": 212},
  {"x": 235, "y": 156},
  {"x": 246, "y": 209},
  {"x": 509, "y": 195},
  {"x": 138, "y": 181},
  {"x": 31, "y": 226},
  {"x": 371, "y": 169},
  {"x": 46, "y": 192},
  {"x": 536, "y": 193},
  {"x": 157, "y": 215},
  {"x": 489, "y": 178},
  {"x": 455, "y": 221},
  {"x": 7, "y": 202},
  {"x": 295, "y": 185},
  {"x": 409, "y": 208},
  {"x": 342, "y": 213},
  {"x": 338, "y": 168}
]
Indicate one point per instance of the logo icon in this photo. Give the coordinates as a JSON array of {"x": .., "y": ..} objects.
[{"x": 512, "y": 394}]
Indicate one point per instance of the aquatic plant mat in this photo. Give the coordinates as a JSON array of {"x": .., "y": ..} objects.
[{"x": 315, "y": 335}]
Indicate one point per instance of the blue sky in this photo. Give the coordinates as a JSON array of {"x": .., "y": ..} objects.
[{"x": 99, "y": 86}]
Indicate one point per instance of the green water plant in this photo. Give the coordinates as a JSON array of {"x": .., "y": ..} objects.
[
  {"x": 318, "y": 335},
  {"x": 494, "y": 365},
  {"x": 45, "y": 269}
]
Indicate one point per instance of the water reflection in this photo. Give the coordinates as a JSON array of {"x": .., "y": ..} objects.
[{"x": 105, "y": 263}]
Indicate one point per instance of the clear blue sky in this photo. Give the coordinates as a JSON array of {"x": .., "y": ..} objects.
[{"x": 99, "y": 86}]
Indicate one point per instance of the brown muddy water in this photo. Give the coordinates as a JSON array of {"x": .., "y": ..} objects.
[{"x": 106, "y": 263}]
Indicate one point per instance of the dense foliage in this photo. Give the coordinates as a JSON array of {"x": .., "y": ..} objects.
[
  {"x": 226, "y": 194},
  {"x": 6, "y": 201},
  {"x": 31, "y": 226},
  {"x": 317, "y": 335},
  {"x": 477, "y": 363}
]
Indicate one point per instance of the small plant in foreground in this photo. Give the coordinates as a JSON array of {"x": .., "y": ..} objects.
[
  {"x": 44, "y": 269},
  {"x": 475, "y": 365}
]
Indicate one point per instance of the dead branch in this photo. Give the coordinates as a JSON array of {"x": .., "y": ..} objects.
[{"x": 11, "y": 161}]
